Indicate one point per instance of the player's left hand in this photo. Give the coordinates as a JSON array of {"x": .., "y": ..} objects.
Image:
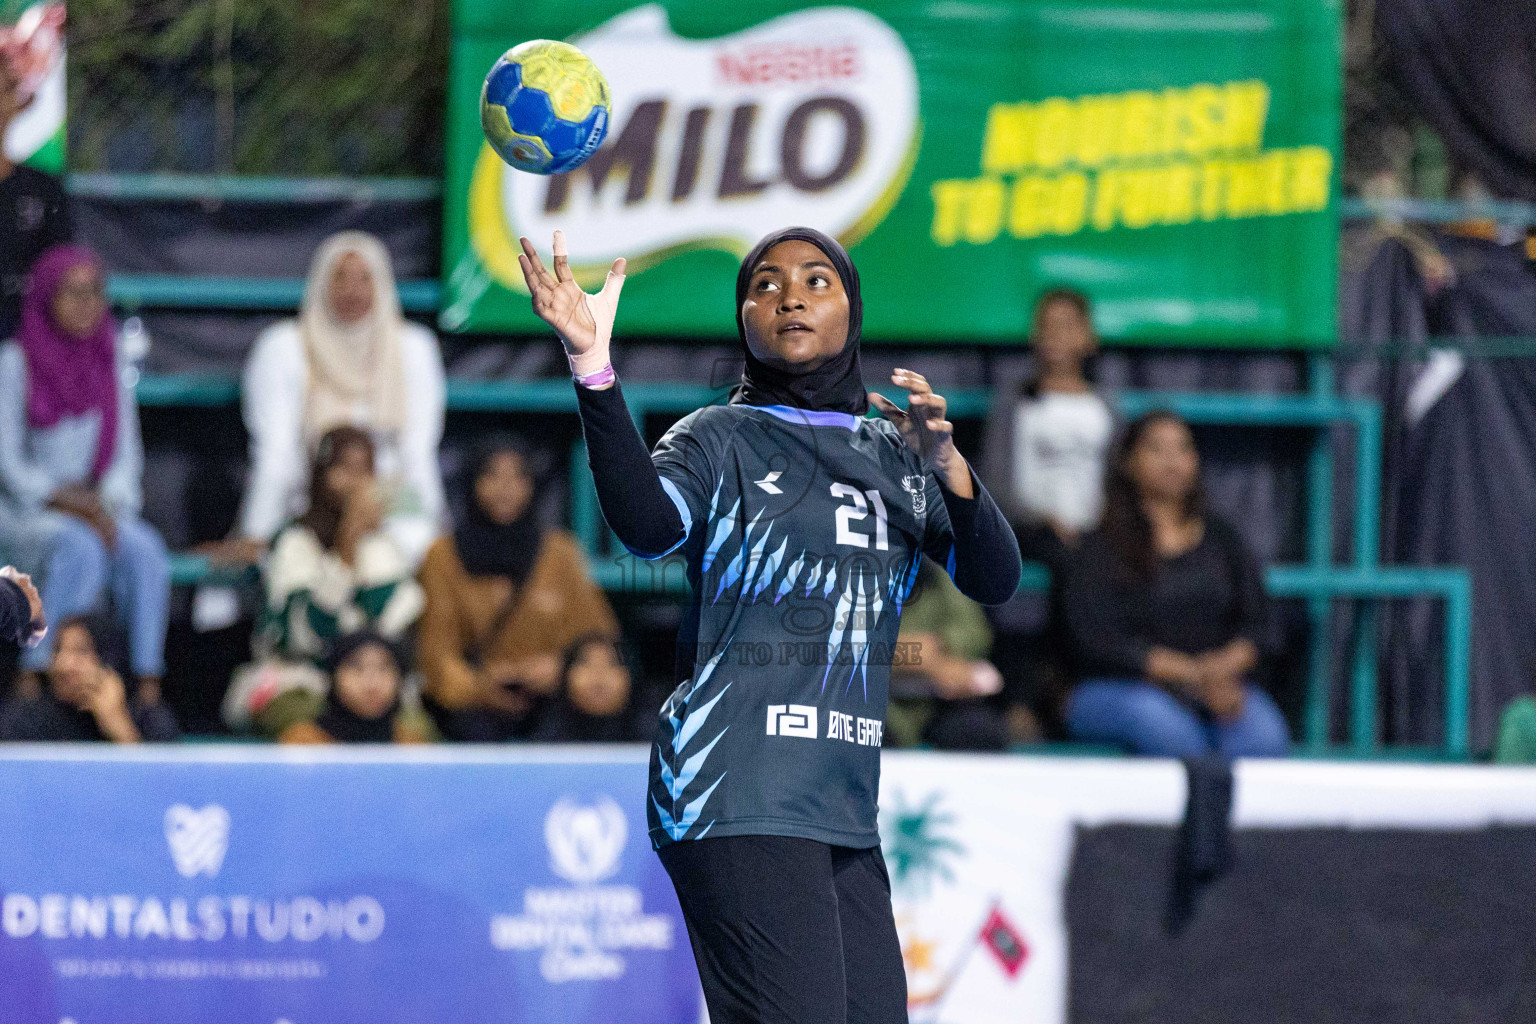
[{"x": 925, "y": 429}]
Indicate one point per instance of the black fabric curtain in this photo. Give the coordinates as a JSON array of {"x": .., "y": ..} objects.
[
  {"x": 1470, "y": 68},
  {"x": 1459, "y": 480}
]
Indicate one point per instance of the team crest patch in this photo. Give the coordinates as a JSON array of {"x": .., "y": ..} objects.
[{"x": 913, "y": 485}]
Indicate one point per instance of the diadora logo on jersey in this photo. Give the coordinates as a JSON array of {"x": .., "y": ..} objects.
[
  {"x": 914, "y": 486},
  {"x": 767, "y": 482},
  {"x": 792, "y": 720}
]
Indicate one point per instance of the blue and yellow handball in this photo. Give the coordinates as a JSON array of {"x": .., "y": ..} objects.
[{"x": 545, "y": 107}]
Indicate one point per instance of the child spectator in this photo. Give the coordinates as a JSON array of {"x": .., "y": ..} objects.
[
  {"x": 349, "y": 359},
  {"x": 71, "y": 463},
  {"x": 505, "y": 598},
  {"x": 1165, "y": 612},
  {"x": 335, "y": 570},
  {"x": 363, "y": 705},
  {"x": 593, "y": 705},
  {"x": 85, "y": 699},
  {"x": 941, "y": 678}
]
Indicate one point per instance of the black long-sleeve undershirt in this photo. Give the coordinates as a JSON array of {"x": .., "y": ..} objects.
[
  {"x": 628, "y": 486},
  {"x": 987, "y": 565}
]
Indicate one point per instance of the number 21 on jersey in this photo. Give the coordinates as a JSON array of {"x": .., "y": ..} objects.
[{"x": 847, "y": 515}]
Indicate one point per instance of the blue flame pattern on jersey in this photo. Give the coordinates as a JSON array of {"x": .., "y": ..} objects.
[{"x": 686, "y": 723}]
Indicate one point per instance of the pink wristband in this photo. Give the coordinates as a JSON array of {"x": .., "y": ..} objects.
[{"x": 596, "y": 380}]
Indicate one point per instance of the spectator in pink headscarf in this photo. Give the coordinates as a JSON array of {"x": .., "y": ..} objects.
[{"x": 71, "y": 462}]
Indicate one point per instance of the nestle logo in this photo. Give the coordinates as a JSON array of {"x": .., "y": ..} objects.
[{"x": 768, "y": 63}]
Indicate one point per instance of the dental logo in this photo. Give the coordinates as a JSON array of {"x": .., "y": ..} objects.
[
  {"x": 583, "y": 931},
  {"x": 198, "y": 839},
  {"x": 585, "y": 842},
  {"x": 738, "y": 135}
]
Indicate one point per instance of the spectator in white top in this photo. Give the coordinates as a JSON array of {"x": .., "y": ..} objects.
[
  {"x": 1047, "y": 444},
  {"x": 349, "y": 359},
  {"x": 1044, "y": 460}
]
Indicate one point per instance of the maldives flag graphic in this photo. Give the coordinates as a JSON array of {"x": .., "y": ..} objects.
[{"x": 1000, "y": 936}]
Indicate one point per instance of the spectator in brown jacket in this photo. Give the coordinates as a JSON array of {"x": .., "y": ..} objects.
[{"x": 505, "y": 598}]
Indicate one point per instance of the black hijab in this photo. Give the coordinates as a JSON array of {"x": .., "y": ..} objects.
[
  {"x": 836, "y": 385},
  {"x": 340, "y": 722},
  {"x": 487, "y": 548}
]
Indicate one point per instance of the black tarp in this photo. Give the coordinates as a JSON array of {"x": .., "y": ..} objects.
[
  {"x": 1311, "y": 926},
  {"x": 1469, "y": 67}
]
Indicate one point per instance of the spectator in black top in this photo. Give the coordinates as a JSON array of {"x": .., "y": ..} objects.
[
  {"x": 85, "y": 698},
  {"x": 34, "y": 213},
  {"x": 1165, "y": 612},
  {"x": 594, "y": 705}
]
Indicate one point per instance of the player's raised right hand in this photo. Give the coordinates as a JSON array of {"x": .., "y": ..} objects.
[{"x": 584, "y": 322}]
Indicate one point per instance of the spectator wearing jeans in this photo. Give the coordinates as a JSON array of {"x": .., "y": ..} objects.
[
  {"x": 349, "y": 359},
  {"x": 85, "y": 699},
  {"x": 505, "y": 598},
  {"x": 71, "y": 463},
  {"x": 1165, "y": 613}
]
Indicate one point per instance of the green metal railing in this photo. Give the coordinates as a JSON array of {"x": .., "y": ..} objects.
[{"x": 1318, "y": 582}]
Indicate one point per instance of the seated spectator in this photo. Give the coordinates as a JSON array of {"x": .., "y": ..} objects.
[
  {"x": 34, "y": 209},
  {"x": 349, "y": 359},
  {"x": 335, "y": 571},
  {"x": 593, "y": 704},
  {"x": 71, "y": 462},
  {"x": 85, "y": 699},
  {"x": 941, "y": 678},
  {"x": 1165, "y": 613},
  {"x": 363, "y": 705},
  {"x": 505, "y": 598},
  {"x": 1044, "y": 455}
]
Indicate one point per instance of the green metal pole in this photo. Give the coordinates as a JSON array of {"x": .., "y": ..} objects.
[
  {"x": 1363, "y": 712},
  {"x": 1458, "y": 664},
  {"x": 1319, "y": 556}
]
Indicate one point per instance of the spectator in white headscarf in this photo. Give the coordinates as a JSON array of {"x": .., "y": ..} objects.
[{"x": 349, "y": 359}]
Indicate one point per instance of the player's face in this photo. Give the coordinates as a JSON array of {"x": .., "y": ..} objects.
[
  {"x": 1063, "y": 336},
  {"x": 503, "y": 489},
  {"x": 367, "y": 682},
  {"x": 351, "y": 289},
  {"x": 80, "y": 303},
  {"x": 796, "y": 310},
  {"x": 1164, "y": 464}
]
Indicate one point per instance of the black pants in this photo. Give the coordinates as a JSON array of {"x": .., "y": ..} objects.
[{"x": 790, "y": 931}]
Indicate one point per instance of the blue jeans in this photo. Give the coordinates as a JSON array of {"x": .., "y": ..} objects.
[
  {"x": 1146, "y": 719},
  {"x": 79, "y": 573}
]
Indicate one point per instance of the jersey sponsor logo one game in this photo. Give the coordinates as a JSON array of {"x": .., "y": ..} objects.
[{"x": 792, "y": 720}]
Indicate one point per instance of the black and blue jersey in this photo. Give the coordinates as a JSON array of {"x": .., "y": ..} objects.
[{"x": 803, "y": 533}]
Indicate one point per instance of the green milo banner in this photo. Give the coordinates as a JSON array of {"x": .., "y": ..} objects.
[
  {"x": 32, "y": 43},
  {"x": 1175, "y": 159}
]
